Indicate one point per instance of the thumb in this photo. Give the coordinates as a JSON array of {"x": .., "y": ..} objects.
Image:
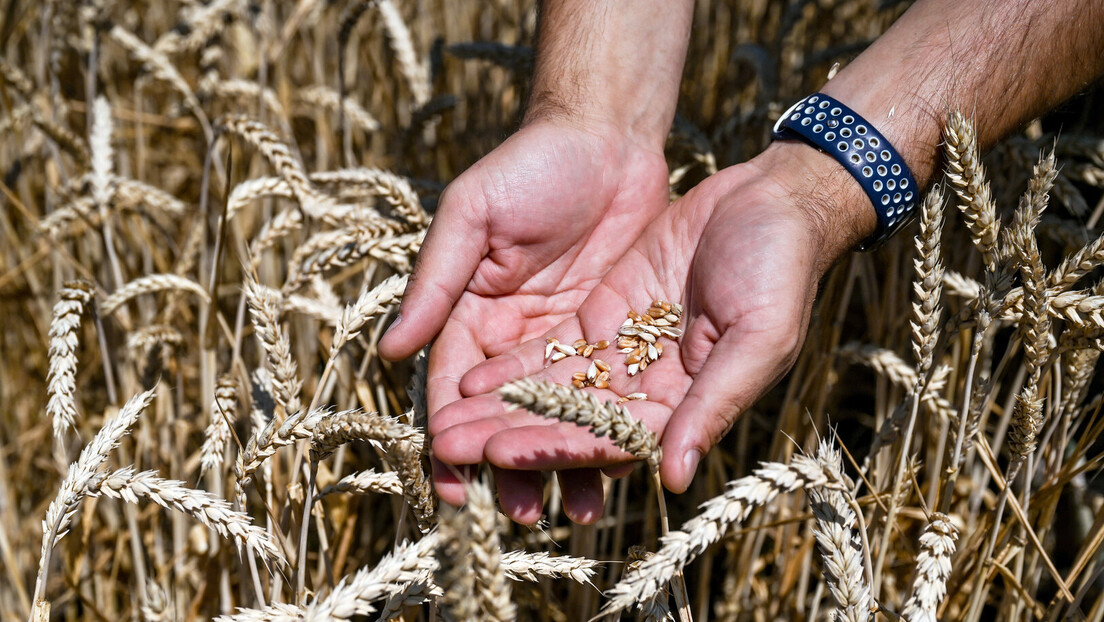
[
  {"x": 453, "y": 246},
  {"x": 740, "y": 367}
]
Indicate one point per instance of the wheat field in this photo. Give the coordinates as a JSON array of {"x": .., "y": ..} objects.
[{"x": 210, "y": 213}]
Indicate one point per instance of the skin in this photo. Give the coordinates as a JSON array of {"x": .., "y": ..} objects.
[{"x": 744, "y": 251}]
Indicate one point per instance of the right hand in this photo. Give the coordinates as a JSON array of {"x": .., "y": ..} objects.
[{"x": 518, "y": 242}]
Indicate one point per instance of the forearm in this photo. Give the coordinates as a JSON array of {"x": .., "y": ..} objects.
[
  {"x": 1001, "y": 63},
  {"x": 611, "y": 64}
]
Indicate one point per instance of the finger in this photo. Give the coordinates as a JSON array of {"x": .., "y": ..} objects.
[
  {"x": 453, "y": 247},
  {"x": 449, "y": 480},
  {"x": 583, "y": 496},
  {"x": 521, "y": 494},
  {"x": 739, "y": 369},
  {"x": 618, "y": 471},
  {"x": 465, "y": 443},
  {"x": 453, "y": 353}
]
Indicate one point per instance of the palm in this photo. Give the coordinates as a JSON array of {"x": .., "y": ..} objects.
[{"x": 741, "y": 262}]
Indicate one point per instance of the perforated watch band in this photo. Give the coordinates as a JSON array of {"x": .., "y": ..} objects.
[{"x": 883, "y": 174}]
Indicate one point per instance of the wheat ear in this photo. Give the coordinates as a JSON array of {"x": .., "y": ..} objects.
[
  {"x": 103, "y": 156},
  {"x": 840, "y": 546},
  {"x": 151, "y": 284},
  {"x": 967, "y": 177},
  {"x": 333, "y": 431},
  {"x": 73, "y": 301},
  {"x": 928, "y": 286},
  {"x": 523, "y": 566},
  {"x": 718, "y": 515},
  {"x": 81, "y": 473},
  {"x": 368, "y": 305},
  {"x": 582, "y": 408},
  {"x": 455, "y": 571},
  {"x": 417, "y": 77},
  {"x": 364, "y": 482},
  {"x": 161, "y": 68},
  {"x": 224, "y": 411},
  {"x": 491, "y": 585},
  {"x": 129, "y": 485},
  {"x": 933, "y": 566},
  {"x": 264, "y": 308}
]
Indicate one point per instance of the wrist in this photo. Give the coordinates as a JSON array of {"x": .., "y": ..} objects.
[{"x": 831, "y": 202}]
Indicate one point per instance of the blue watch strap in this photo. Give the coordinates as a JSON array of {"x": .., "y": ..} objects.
[{"x": 835, "y": 129}]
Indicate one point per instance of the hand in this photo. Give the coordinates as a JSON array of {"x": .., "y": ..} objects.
[
  {"x": 517, "y": 244},
  {"x": 744, "y": 251}
]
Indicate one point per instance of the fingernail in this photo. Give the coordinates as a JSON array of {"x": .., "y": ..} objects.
[
  {"x": 398, "y": 318},
  {"x": 690, "y": 460}
]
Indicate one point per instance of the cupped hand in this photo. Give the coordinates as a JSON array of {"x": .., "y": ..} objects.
[
  {"x": 518, "y": 242},
  {"x": 744, "y": 252}
]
